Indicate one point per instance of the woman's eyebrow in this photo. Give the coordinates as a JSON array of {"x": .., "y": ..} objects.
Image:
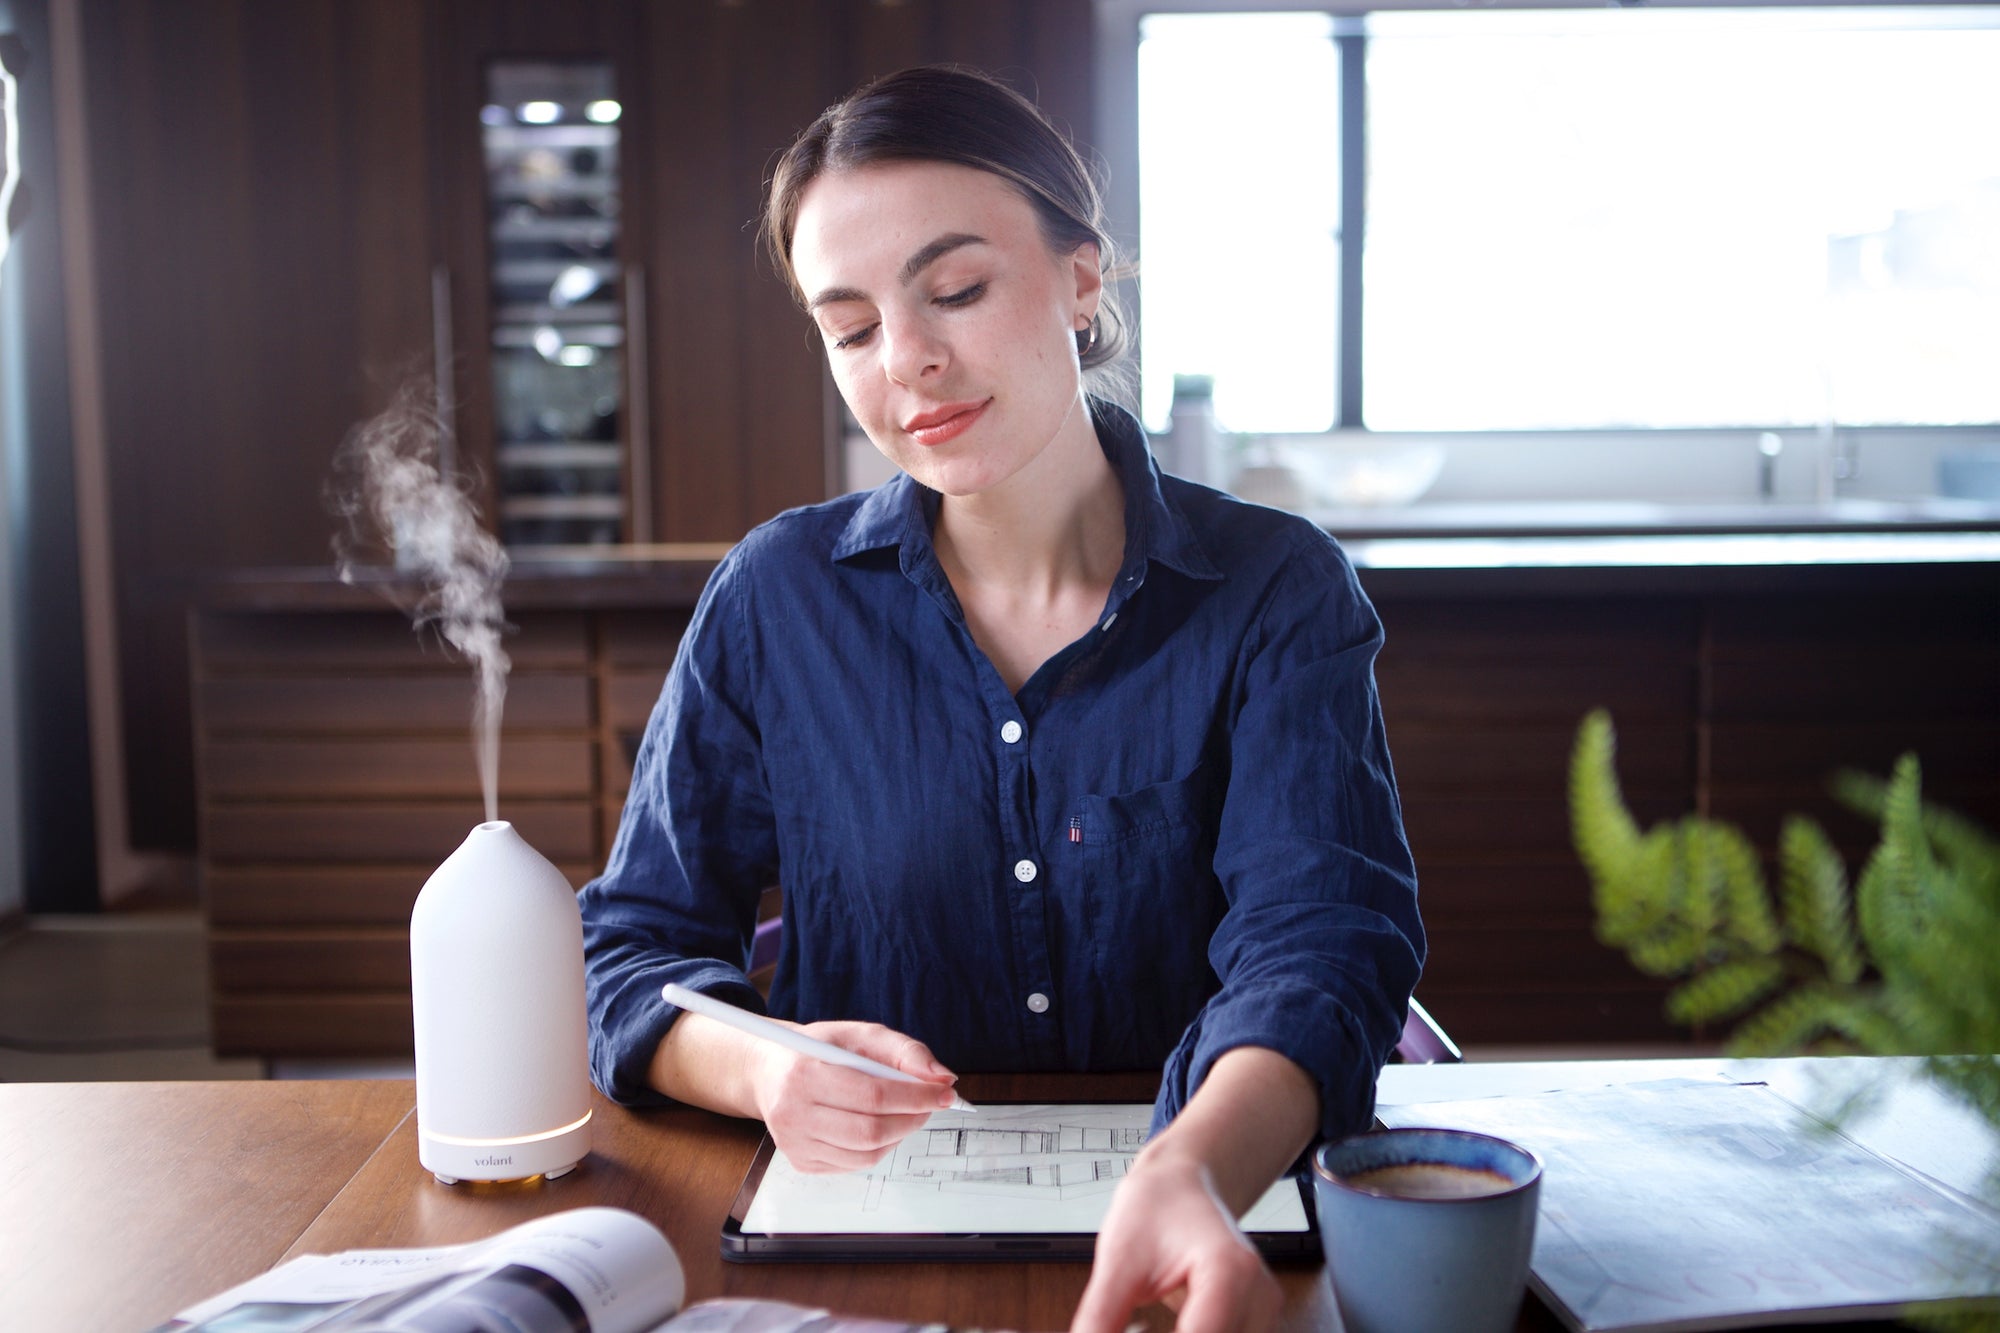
[
  {"x": 915, "y": 264},
  {"x": 935, "y": 251}
]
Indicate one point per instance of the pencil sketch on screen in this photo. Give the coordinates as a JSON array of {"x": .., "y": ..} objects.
[{"x": 1008, "y": 1169}]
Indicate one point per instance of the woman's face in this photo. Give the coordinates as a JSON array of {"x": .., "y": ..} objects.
[{"x": 949, "y": 322}]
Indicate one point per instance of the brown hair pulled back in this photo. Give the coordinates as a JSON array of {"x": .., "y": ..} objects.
[{"x": 949, "y": 113}]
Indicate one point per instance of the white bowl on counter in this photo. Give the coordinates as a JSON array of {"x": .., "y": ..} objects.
[{"x": 1345, "y": 471}]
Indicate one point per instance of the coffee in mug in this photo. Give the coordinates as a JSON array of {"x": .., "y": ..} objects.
[
  {"x": 1427, "y": 1230},
  {"x": 1429, "y": 1180}
]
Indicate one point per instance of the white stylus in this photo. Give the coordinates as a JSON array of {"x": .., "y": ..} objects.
[{"x": 757, "y": 1026}]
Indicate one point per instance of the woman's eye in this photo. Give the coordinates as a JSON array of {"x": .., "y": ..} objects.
[
  {"x": 965, "y": 296},
  {"x": 854, "y": 339}
]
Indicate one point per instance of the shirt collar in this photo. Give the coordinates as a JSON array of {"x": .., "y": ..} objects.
[{"x": 899, "y": 512}]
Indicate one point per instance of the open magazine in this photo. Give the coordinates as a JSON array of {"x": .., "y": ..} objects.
[{"x": 587, "y": 1270}]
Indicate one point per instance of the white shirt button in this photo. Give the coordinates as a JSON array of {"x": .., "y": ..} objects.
[
  {"x": 1024, "y": 871},
  {"x": 1010, "y": 731},
  {"x": 1038, "y": 1002},
  {"x": 1108, "y": 619}
]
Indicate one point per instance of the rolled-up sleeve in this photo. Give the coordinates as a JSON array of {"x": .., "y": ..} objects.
[
  {"x": 677, "y": 901},
  {"x": 1320, "y": 945}
]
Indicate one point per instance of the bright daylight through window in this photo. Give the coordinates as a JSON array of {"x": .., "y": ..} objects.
[{"x": 1579, "y": 219}]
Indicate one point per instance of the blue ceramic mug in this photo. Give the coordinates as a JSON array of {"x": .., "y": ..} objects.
[{"x": 1427, "y": 1230}]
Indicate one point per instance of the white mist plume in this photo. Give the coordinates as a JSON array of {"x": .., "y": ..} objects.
[{"x": 388, "y": 489}]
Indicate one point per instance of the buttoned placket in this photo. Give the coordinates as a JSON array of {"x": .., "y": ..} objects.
[{"x": 1022, "y": 871}]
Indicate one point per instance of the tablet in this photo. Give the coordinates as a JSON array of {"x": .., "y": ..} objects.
[{"x": 1009, "y": 1182}]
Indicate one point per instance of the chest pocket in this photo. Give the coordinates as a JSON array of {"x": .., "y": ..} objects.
[{"x": 1147, "y": 862}]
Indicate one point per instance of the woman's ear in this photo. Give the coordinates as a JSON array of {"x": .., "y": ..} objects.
[{"x": 1089, "y": 283}]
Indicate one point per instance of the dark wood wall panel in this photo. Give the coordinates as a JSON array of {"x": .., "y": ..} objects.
[
  {"x": 262, "y": 256},
  {"x": 389, "y": 769},
  {"x": 738, "y": 384},
  {"x": 281, "y": 180}
]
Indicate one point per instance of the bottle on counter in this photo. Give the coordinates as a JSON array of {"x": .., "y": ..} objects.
[{"x": 1192, "y": 446}]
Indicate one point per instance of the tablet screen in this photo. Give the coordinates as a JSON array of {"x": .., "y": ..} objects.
[{"x": 1013, "y": 1179}]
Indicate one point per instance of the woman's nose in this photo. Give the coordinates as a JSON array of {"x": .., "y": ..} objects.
[{"x": 914, "y": 351}]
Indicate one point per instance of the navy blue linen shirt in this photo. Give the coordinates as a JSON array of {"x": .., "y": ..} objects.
[{"x": 1181, "y": 836}]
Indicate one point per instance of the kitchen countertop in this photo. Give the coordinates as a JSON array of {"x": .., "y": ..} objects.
[
  {"x": 1657, "y": 518},
  {"x": 1428, "y": 551}
]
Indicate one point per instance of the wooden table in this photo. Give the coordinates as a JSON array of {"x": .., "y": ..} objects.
[{"x": 121, "y": 1204}]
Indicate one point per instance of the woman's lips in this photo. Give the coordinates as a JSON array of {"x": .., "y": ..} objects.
[{"x": 944, "y": 423}]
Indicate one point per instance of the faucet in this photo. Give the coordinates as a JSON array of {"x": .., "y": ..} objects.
[
  {"x": 1769, "y": 445},
  {"x": 1839, "y": 460}
]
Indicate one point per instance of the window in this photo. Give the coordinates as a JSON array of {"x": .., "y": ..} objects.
[{"x": 1574, "y": 219}]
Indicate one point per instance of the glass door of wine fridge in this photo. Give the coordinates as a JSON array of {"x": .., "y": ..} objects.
[{"x": 562, "y": 417}]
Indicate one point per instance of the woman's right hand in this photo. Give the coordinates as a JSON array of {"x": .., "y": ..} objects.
[{"x": 829, "y": 1119}]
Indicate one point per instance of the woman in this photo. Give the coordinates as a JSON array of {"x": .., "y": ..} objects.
[{"x": 1062, "y": 763}]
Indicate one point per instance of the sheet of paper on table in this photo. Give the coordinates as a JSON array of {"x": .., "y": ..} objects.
[
  {"x": 1002, "y": 1169},
  {"x": 1686, "y": 1205}
]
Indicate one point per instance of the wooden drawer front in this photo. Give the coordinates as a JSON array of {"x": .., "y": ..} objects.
[
  {"x": 363, "y": 833},
  {"x": 642, "y": 637},
  {"x": 1538, "y": 1015},
  {"x": 1851, "y": 661},
  {"x": 629, "y": 697},
  {"x": 1550, "y": 892},
  {"x": 315, "y": 962},
  {"x": 305, "y": 705},
  {"x": 1505, "y": 828},
  {"x": 385, "y": 768},
  {"x": 1534, "y": 661},
  {"x": 1533, "y": 757},
  {"x": 1795, "y": 756},
  {"x": 327, "y": 895},
  {"x": 1488, "y": 957},
  {"x": 313, "y": 1025},
  {"x": 310, "y": 642}
]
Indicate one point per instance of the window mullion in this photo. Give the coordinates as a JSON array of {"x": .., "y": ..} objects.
[{"x": 1353, "y": 49}]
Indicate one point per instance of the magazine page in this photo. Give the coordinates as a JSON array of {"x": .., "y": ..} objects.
[{"x": 586, "y": 1270}]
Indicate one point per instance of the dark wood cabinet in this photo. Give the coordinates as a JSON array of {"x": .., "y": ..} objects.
[
  {"x": 336, "y": 769},
  {"x": 262, "y": 256},
  {"x": 1739, "y": 705}
]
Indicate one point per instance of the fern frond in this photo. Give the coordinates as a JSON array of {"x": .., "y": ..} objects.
[
  {"x": 1787, "y": 1024},
  {"x": 1606, "y": 836},
  {"x": 1745, "y": 901},
  {"x": 1813, "y": 883},
  {"x": 1891, "y": 897},
  {"x": 1725, "y": 990}
]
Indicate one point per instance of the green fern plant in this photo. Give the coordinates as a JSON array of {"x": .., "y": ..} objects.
[{"x": 1905, "y": 960}]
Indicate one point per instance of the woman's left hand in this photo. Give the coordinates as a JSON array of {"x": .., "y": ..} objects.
[{"x": 1169, "y": 1237}]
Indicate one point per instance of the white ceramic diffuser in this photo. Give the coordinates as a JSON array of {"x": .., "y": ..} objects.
[{"x": 496, "y": 979}]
